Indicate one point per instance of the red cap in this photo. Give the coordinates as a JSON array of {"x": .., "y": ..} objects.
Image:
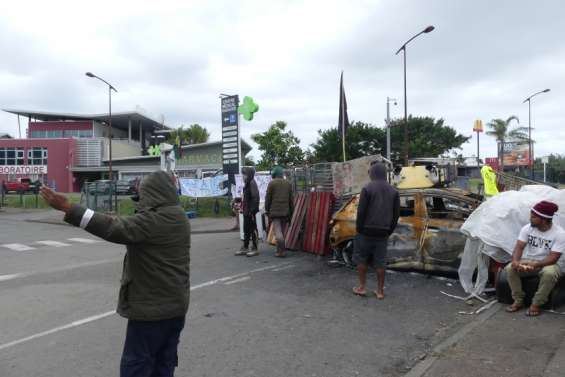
[{"x": 545, "y": 209}]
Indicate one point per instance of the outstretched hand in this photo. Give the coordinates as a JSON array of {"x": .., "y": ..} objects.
[{"x": 55, "y": 200}]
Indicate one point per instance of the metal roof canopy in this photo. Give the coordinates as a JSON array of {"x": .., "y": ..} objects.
[{"x": 119, "y": 119}]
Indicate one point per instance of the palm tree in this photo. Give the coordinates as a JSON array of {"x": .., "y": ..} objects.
[
  {"x": 194, "y": 134},
  {"x": 500, "y": 129}
]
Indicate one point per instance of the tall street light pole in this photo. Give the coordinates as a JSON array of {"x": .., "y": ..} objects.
[
  {"x": 388, "y": 101},
  {"x": 110, "y": 88},
  {"x": 403, "y": 48},
  {"x": 530, "y": 156}
]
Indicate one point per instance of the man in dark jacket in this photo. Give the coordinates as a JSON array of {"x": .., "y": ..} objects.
[
  {"x": 250, "y": 207},
  {"x": 377, "y": 215},
  {"x": 279, "y": 205},
  {"x": 155, "y": 286}
]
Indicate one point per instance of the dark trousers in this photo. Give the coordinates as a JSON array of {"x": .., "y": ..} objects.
[
  {"x": 249, "y": 230},
  {"x": 150, "y": 349}
]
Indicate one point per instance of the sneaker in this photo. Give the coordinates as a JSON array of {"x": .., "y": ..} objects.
[
  {"x": 253, "y": 253},
  {"x": 242, "y": 251}
]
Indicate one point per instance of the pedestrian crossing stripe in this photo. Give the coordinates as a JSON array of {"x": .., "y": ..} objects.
[
  {"x": 83, "y": 240},
  {"x": 53, "y": 243},
  {"x": 17, "y": 247}
]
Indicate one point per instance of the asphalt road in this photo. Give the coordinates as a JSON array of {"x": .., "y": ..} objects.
[{"x": 258, "y": 316}]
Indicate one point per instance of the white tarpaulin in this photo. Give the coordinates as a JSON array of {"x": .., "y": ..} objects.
[
  {"x": 493, "y": 228},
  {"x": 204, "y": 187},
  {"x": 262, "y": 181}
]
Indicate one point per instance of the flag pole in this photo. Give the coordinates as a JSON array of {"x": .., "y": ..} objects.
[
  {"x": 342, "y": 120},
  {"x": 343, "y": 133}
]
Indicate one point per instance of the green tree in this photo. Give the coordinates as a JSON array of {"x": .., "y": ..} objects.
[
  {"x": 500, "y": 130},
  {"x": 278, "y": 147},
  {"x": 362, "y": 139},
  {"x": 555, "y": 169},
  {"x": 428, "y": 138},
  {"x": 193, "y": 134}
]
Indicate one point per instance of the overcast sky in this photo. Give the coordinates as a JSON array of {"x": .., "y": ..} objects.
[{"x": 174, "y": 58}]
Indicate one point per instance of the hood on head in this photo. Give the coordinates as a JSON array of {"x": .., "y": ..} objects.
[
  {"x": 249, "y": 173},
  {"x": 277, "y": 172},
  {"x": 487, "y": 169},
  {"x": 158, "y": 189},
  {"x": 377, "y": 172}
]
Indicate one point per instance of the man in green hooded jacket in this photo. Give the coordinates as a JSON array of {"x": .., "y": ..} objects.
[
  {"x": 155, "y": 286},
  {"x": 279, "y": 203}
]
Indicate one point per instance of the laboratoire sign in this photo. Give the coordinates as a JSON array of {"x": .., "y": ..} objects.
[
  {"x": 23, "y": 169},
  {"x": 230, "y": 135}
]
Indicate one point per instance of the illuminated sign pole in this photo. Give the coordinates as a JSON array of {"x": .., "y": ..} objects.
[{"x": 230, "y": 135}]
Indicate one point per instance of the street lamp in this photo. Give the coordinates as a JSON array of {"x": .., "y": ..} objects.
[
  {"x": 110, "y": 88},
  {"x": 403, "y": 48},
  {"x": 529, "y": 100},
  {"x": 388, "y": 101}
]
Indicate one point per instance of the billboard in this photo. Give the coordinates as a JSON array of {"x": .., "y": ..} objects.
[
  {"x": 492, "y": 162},
  {"x": 515, "y": 153}
]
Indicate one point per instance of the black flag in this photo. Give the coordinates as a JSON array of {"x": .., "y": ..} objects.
[{"x": 343, "y": 123}]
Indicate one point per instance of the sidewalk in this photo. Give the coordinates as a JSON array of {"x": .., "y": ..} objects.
[
  {"x": 500, "y": 344},
  {"x": 198, "y": 225}
]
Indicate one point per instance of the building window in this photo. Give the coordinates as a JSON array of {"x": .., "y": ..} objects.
[
  {"x": 85, "y": 133},
  {"x": 54, "y": 134},
  {"x": 70, "y": 133},
  {"x": 38, "y": 134},
  {"x": 11, "y": 156},
  {"x": 37, "y": 156}
]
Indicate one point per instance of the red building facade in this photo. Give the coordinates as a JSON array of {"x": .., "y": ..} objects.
[{"x": 46, "y": 160}]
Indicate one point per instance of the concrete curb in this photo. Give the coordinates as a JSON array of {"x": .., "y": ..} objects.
[
  {"x": 423, "y": 366},
  {"x": 556, "y": 365}
]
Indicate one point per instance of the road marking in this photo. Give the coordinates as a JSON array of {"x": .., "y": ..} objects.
[
  {"x": 107, "y": 314},
  {"x": 221, "y": 280},
  {"x": 245, "y": 278},
  {"x": 60, "y": 269},
  {"x": 84, "y": 240},
  {"x": 9, "y": 277},
  {"x": 57, "y": 329},
  {"x": 17, "y": 247},
  {"x": 283, "y": 268},
  {"x": 53, "y": 243}
]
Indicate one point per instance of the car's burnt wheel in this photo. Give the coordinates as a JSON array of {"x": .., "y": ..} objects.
[{"x": 347, "y": 253}]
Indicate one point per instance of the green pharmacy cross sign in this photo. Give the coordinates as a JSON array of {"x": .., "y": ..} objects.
[
  {"x": 248, "y": 108},
  {"x": 154, "y": 150}
]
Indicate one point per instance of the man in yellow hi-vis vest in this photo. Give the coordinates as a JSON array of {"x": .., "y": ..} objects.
[{"x": 489, "y": 181}]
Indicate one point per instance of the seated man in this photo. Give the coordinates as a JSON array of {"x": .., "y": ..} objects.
[{"x": 537, "y": 251}]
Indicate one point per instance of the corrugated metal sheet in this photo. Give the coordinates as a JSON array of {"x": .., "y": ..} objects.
[
  {"x": 317, "y": 222},
  {"x": 293, "y": 234}
]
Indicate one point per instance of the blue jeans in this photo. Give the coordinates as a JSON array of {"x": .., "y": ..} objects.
[{"x": 150, "y": 349}]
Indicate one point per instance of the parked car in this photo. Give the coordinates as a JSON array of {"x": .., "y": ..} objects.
[
  {"x": 21, "y": 185},
  {"x": 427, "y": 237}
]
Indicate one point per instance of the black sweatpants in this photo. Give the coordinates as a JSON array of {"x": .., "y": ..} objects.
[
  {"x": 150, "y": 349},
  {"x": 249, "y": 230}
]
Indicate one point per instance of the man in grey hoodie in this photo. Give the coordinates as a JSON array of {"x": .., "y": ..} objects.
[{"x": 377, "y": 215}]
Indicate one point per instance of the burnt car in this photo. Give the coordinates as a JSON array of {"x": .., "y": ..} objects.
[{"x": 427, "y": 237}]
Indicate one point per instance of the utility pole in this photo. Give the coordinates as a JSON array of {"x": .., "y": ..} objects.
[{"x": 388, "y": 101}]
